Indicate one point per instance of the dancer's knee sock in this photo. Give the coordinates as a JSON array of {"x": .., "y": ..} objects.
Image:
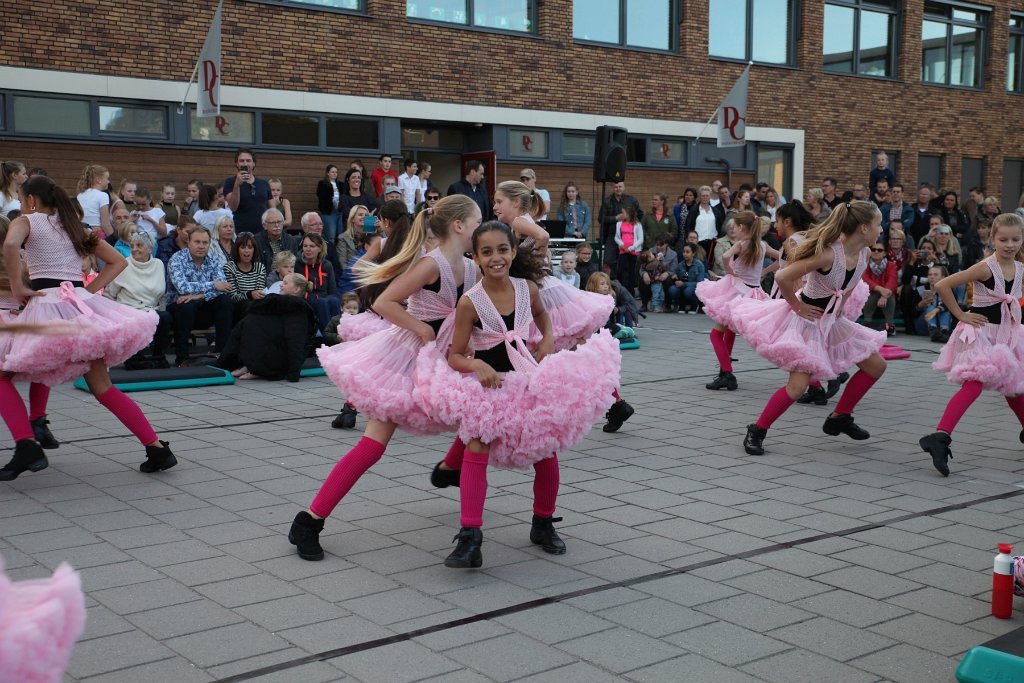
[
  {"x": 473, "y": 489},
  {"x": 1016, "y": 404},
  {"x": 345, "y": 474},
  {"x": 453, "y": 458},
  {"x": 777, "y": 405},
  {"x": 38, "y": 397},
  {"x": 12, "y": 410},
  {"x": 721, "y": 350},
  {"x": 958, "y": 405},
  {"x": 545, "y": 486},
  {"x": 815, "y": 383},
  {"x": 129, "y": 413},
  {"x": 615, "y": 395},
  {"x": 730, "y": 341},
  {"x": 854, "y": 392}
]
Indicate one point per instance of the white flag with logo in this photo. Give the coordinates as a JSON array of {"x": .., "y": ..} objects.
[
  {"x": 208, "y": 71},
  {"x": 732, "y": 114}
]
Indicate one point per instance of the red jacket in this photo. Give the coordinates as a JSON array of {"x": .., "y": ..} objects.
[
  {"x": 887, "y": 279},
  {"x": 378, "y": 179}
]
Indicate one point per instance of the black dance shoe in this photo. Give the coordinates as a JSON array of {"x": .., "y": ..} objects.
[
  {"x": 305, "y": 536},
  {"x": 28, "y": 455},
  {"x": 725, "y": 380},
  {"x": 844, "y": 424},
  {"x": 467, "y": 553},
  {"x": 543, "y": 533},
  {"x": 937, "y": 445},
  {"x": 753, "y": 442}
]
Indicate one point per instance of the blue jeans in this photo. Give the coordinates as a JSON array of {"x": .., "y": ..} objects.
[
  {"x": 941, "y": 321},
  {"x": 331, "y": 222},
  {"x": 326, "y": 307},
  {"x": 684, "y": 295},
  {"x": 657, "y": 295}
]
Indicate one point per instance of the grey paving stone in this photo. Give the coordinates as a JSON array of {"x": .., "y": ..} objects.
[
  {"x": 111, "y": 653},
  {"x": 832, "y": 639},
  {"x": 139, "y": 597},
  {"x": 174, "y": 670},
  {"x": 580, "y": 672},
  {"x": 799, "y": 561},
  {"x": 799, "y": 666},
  {"x": 778, "y": 585},
  {"x": 873, "y": 584},
  {"x": 247, "y": 590},
  {"x": 908, "y": 664},
  {"x": 330, "y": 635},
  {"x": 393, "y": 606},
  {"x": 620, "y": 650},
  {"x": 510, "y": 657},
  {"x": 943, "y": 605},
  {"x": 120, "y": 574},
  {"x": 179, "y": 620},
  {"x": 399, "y": 663},
  {"x": 754, "y": 612},
  {"x": 655, "y": 617},
  {"x": 225, "y": 644},
  {"x": 851, "y": 608},
  {"x": 100, "y": 622},
  {"x": 689, "y": 669},
  {"x": 687, "y": 589},
  {"x": 932, "y": 634},
  {"x": 727, "y": 643},
  {"x": 345, "y": 585},
  {"x": 315, "y": 672}
]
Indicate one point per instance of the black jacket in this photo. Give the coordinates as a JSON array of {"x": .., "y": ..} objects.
[
  {"x": 288, "y": 243},
  {"x": 610, "y": 209},
  {"x": 325, "y": 196},
  {"x": 273, "y": 339},
  {"x": 478, "y": 195},
  {"x": 691, "y": 218}
]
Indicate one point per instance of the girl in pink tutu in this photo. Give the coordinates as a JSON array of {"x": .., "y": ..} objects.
[
  {"x": 514, "y": 410},
  {"x": 104, "y": 332},
  {"x": 744, "y": 265},
  {"x": 376, "y": 373},
  {"x": 806, "y": 333},
  {"x": 986, "y": 350}
]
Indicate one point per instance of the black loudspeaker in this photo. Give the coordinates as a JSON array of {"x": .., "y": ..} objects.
[{"x": 610, "y": 154}]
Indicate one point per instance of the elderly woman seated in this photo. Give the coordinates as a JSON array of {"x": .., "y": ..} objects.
[{"x": 143, "y": 285}]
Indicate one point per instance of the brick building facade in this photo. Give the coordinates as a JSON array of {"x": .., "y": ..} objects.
[{"x": 307, "y": 85}]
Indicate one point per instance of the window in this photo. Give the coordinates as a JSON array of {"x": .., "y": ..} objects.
[
  {"x": 1015, "y": 57},
  {"x": 630, "y": 23},
  {"x": 578, "y": 145},
  {"x": 1013, "y": 184},
  {"x": 667, "y": 151},
  {"x": 434, "y": 138},
  {"x": 291, "y": 129},
  {"x": 353, "y": 133},
  {"x": 972, "y": 172},
  {"x": 528, "y": 143},
  {"x": 51, "y": 116},
  {"x": 124, "y": 120},
  {"x": 757, "y": 30},
  {"x": 773, "y": 167},
  {"x": 503, "y": 15},
  {"x": 354, "y": 5},
  {"x": 952, "y": 45},
  {"x": 230, "y": 127},
  {"x": 894, "y": 161},
  {"x": 636, "y": 150},
  {"x": 860, "y": 37},
  {"x": 929, "y": 169},
  {"x": 3, "y": 114}
]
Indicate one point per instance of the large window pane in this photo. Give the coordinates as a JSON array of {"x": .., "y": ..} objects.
[
  {"x": 636, "y": 150},
  {"x": 291, "y": 129},
  {"x": 875, "y": 33},
  {"x": 353, "y": 133},
  {"x": 964, "y": 64},
  {"x": 1014, "y": 56},
  {"x": 727, "y": 28},
  {"x": 528, "y": 143},
  {"x": 933, "y": 56},
  {"x": 667, "y": 151},
  {"x": 770, "y": 40},
  {"x": 596, "y": 20},
  {"x": 647, "y": 24},
  {"x": 507, "y": 15},
  {"x": 1013, "y": 183},
  {"x": 449, "y": 11},
  {"x": 972, "y": 172},
  {"x": 929, "y": 169},
  {"x": 773, "y": 167},
  {"x": 51, "y": 115},
  {"x": 578, "y": 145},
  {"x": 334, "y": 4},
  {"x": 133, "y": 120},
  {"x": 838, "y": 38},
  {"x": 230, "y": 126}
]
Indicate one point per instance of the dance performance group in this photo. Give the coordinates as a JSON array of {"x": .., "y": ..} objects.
[{"x": 494, "y": 349}]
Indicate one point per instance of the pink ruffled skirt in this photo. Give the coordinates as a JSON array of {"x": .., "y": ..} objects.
[
  {"x": 999, "y": 367},
  {"x": 855, "y": 304},
  {"x": 375, "y": 374},
  {"x": 574, "y": 313},
  {"x": 719, "y": 297},
  {"x": 796, "y": 344},
  {"x": 97, "y": 329},
  {"x": 547, "y": 409},
  {"x": 360, "y": 325}
]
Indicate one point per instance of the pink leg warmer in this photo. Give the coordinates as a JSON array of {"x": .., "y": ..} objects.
[
  {"x": 854, "y": 392},
  {"x": 777, "y": 405},
  {"x": 1016, "y": 404},
  {"x": 814, "y": 383},
  {"x": 128, "y": 412},
  {"x": 721, "y": 350},
  {"x": 615, "y": 395},
  {"x": 545, "y": 486},
  {"x": 12, "y": 410},
  {"x": 473, "y": 489},
  {"x": 958, "y": 405},
  {"x": 730, "y": 340},
  {"x": 38, "y": 396},
  {"x": 345, "y": 474},
  {"x": 453, "y": 458}
]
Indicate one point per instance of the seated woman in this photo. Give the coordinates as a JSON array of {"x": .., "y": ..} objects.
[
  {"x": 317, "y": 269},
  {"x": 142, "y": 285},
  {"x": 349, "y": 239},
  {"x": 273, "y": 340},
  {"x": 224, "y": 237},
  {"x": 246, "y": 274}
]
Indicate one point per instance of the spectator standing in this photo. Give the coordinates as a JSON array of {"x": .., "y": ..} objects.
[
  {"x": 346, "y": 244},
  {"x": 472, "y": 185},
  {"x": 279, "y": 202},
  {"x": 828, "y": 192},
  {"x": 880, "y": 277},
  {"x": 198, "y": 294},
  {"x": 528, "y": 177},
  {"x": 409, "y": 184},
  {"x": 150, "y": 219},
  {"x": 352, "y": 194},
  {"x": 168, "y": 206},
  {"x": 881, "y": 194},
  {"x": 771, "y": 204},
  {"x": 191, "y": 205},
  {"x": 322, "y": 294},
  {"x": 955, "y": 217},
  {"x": 896, "y": 209},
  {"x": 921, "y": 223},
  {"x": 383, "y": 169},
  {"x": 94, "y": 199},
  {"x": 126, "y": 193},
  {"x": 860, "y": 193},
  {"x": 272, "y": 238},
  {"x": 629, "y": 238},
  {"x": 814, "y": 202},
  {"x": 209, "y": 210},
  {"x": 423, "y": 174},
  {"x": 430, "y": 199},
  {"x": 881, "y": 171},
  {"x": 12, "y": 177},
  {"x": 574, "y": 211},
  {"x": 758, "y": 198},
  {"x": 328, "y": 201},
  {"x": 613, "y": 210},
  {"x": 658, "y": 221},
  {"x": 247, "y": 195},
  {"x": 681, "y": 211},
  {"x": 725, "y": 198},
  {"x": 707, "y": 219}
]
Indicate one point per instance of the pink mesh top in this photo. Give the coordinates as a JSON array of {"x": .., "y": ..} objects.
[
  {"x": 426, "y": 305},
  {"x": 49, "y": 252},
  {"x": 493, "y": 330},
  {"x": 1009, "y": 302},
  {"x": 750, "y": 275},
  {"x": 827, "y": 290}
]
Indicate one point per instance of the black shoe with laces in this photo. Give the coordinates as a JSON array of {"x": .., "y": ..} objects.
[
  {"x": 346, "y": 419},
  {"x": 832, "y": 388},
  {"x": 305, "y": 536},
  {"x": 543, "y": 533},
  {"x": 753, "y": 442},
  {"x": 725, "y": 380},
  {"x": 815, "y": 395},
  {"x": 443, "y": 478},
  {"x": 158, "y": 458},
  {"x": 937, "y": 445},
  {"x": 617, "y": 415},
  {"x": 844, "y": 424},
  {"x": 28, "y": 455},
  {"x": 467, "y": 553},
  {"x": 44, "y": 437}
]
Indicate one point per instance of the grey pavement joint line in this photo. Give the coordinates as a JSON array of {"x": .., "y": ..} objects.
[{"x": 541, "y": 602}]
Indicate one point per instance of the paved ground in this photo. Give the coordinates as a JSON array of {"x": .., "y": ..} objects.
[{"x": 824, "y": 560}]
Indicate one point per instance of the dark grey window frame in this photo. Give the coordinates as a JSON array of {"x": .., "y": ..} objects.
[
  {"x": 748, "y": 50},
  {"x": 298, "y": 4},
  {"x": 1017, "y": 33},
  {"x": 983, "y": 25},
  {"x": 896, "y": 10},
  {"x": 938, "y": 179},
  {"x": 674, "y": 18},
  {"x": 470, "y": 26}
]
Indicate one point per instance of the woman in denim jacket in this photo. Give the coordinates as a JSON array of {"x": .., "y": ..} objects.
[
  {"x": 682, "y": 293},
  {"x": 574, "y": 211}
]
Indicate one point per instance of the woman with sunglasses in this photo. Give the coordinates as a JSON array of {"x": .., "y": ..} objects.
[
  {"x": 882, "y": 280},
  {"x": 430, "y": 199}
]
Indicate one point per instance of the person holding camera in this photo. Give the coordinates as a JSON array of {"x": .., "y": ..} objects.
[{"x": 247, "y": 195}]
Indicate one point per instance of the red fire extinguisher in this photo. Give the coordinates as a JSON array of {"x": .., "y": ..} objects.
[{"x": 1002, "y": 583}]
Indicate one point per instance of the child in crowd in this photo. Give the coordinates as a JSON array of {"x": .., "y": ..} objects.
[
  {"x": 566, "y": 271},
  {"x": 629, "y": 236},
  {"x": 744, "y": 265},
  {"x": 806, "y": 334},
  {"x": 935, "y": 317},
  {"x": 986, "y": 350},
  {"x": 168, "y": 206},
  {"x": 284, "y": 264},
  {"x": 585, "y": 266},
  {"x": 513, "y": 410},
  {"x": 278, "y": 202},
  {"x": 334, "y": 334},
  {"x": 191, "y": 205},
  {"x": 124, "y": 234},
  {"x": 150, "y": 219},
  {"x": 94, "y": 199},
  {"x": 682, "y": 291},
  {"x": 658, "y": 264}
]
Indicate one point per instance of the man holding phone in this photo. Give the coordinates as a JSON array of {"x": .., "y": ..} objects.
[{"x": 247, "y": 195}]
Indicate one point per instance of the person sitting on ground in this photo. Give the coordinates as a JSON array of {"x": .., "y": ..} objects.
[
  {"x": 682, "y": 291},
  {"x": 933, "y": 314},
  {"x": 273, "y": 340},
  {"x": 566, "y": 271},
  {"x": 143, "y": 286},
  {"x": 660, "y": 264},
  {"x": 585, "y": 265}
]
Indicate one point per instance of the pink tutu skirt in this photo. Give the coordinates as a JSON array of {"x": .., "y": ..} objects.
[
  {"x": 547, "y": 409},
  {"x": 375, "y": 374},
  {"x": 719, "y": 297},
  {"x": 796, "y": 344},
  {"x": 360, "y": 325},
  {"x": 855, "y": 304},
  {"x": 574, "y": 313},
  {"x": 999, "y": 367},
  {"x": 98, "y": 329}
]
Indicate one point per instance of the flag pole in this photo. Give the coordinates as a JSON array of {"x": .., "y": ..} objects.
[
  {"x": 719, "y": 106},
  {"x": 195, "y": 69}
]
